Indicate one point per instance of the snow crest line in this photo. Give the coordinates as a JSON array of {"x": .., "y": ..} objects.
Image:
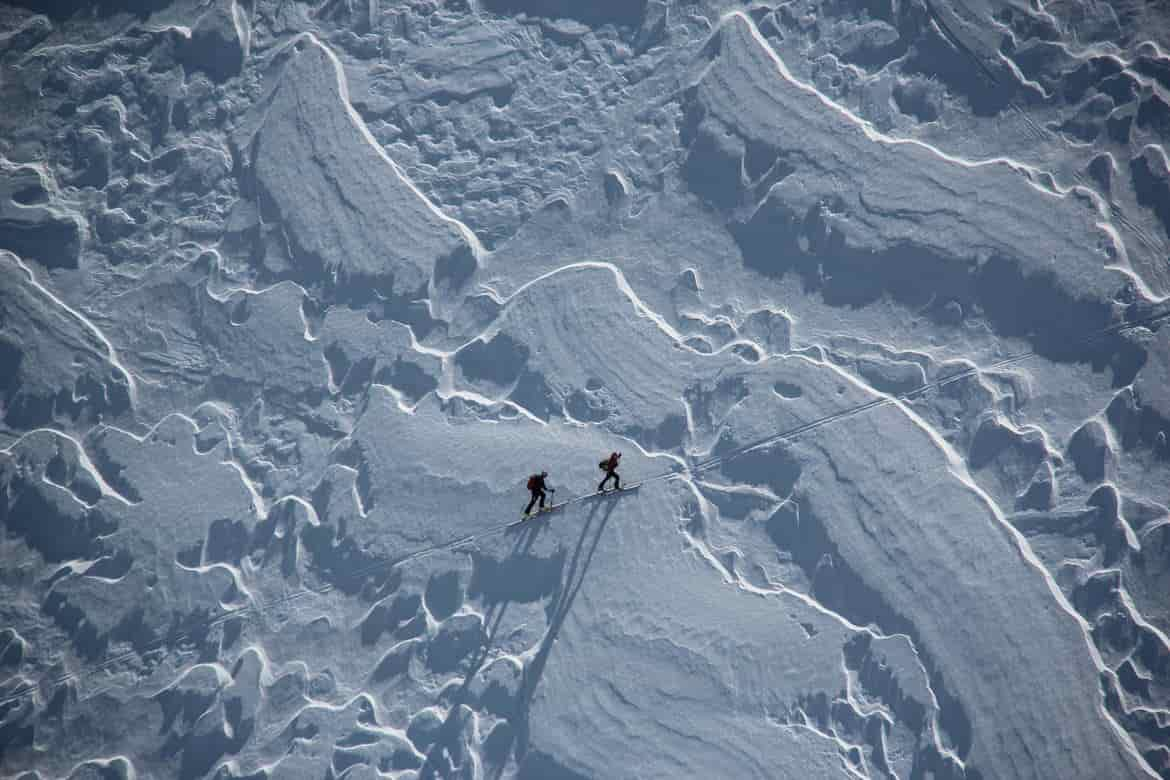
[
  {"x": 678, "y": 471},
  {"x": 111, "y": 353},
  {"x": 1030, "y": 173}
]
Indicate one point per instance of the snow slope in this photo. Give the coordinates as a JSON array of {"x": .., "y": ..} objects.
[{"x": 871, "y": 296}]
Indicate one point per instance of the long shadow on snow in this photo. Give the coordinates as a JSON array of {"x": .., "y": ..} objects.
[
  {"x": 540, "y": 765},
  {"x": 447, "y": 742},
  {"x": 558, "y": 609}
]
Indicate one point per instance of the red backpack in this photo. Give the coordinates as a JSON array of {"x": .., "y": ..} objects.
[{"x": 534, "y": 482}]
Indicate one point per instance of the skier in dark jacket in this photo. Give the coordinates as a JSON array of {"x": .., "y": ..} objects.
[
  {"x": 537, "y": 487},
  {"x": 609, "y": 466}
]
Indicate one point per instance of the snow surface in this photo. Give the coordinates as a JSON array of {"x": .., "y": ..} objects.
[{"x": 873, "y": 296}]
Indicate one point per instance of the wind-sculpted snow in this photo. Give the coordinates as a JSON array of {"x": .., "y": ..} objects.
[
  {"x": 909, "y": 589},
  {"x": 518, "y": 596},
  {"x": 352, "y": 221},
  {"x": 30, "y": 225},
  {"x": 54, "y": 363},
  {"x": 735, "y": 401},
  {"x": 772, "y": 149},
  {"x": 219, "y": 40},
  {"x": 599, "y": 13},
  {"x": 295, "y": 297}
]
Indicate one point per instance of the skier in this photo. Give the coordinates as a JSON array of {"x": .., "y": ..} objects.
[
  {"x": 609, "y": 466},
  {"x": 537, "y": 486}
]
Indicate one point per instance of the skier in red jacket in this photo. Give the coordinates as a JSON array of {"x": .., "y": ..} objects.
[{"x": 609, "y": 466}]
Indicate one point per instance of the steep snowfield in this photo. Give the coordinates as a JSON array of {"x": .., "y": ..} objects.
[{"x": 871, "y": 297}]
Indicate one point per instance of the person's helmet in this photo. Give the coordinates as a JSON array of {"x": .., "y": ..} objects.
[{"x": 544, "y": 473}]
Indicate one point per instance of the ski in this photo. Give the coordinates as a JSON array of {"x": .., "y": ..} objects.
[
  {"x": 612, "y": 491},
  {"x": 547, "y": 510}
]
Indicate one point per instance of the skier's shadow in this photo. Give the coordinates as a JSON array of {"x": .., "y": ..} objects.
[
  {"x": 526, "y": 536},
  {"x": 562, "y": 603},
  {"x": 558, "y": 610},
  {"x": 447, "y": 741}
]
